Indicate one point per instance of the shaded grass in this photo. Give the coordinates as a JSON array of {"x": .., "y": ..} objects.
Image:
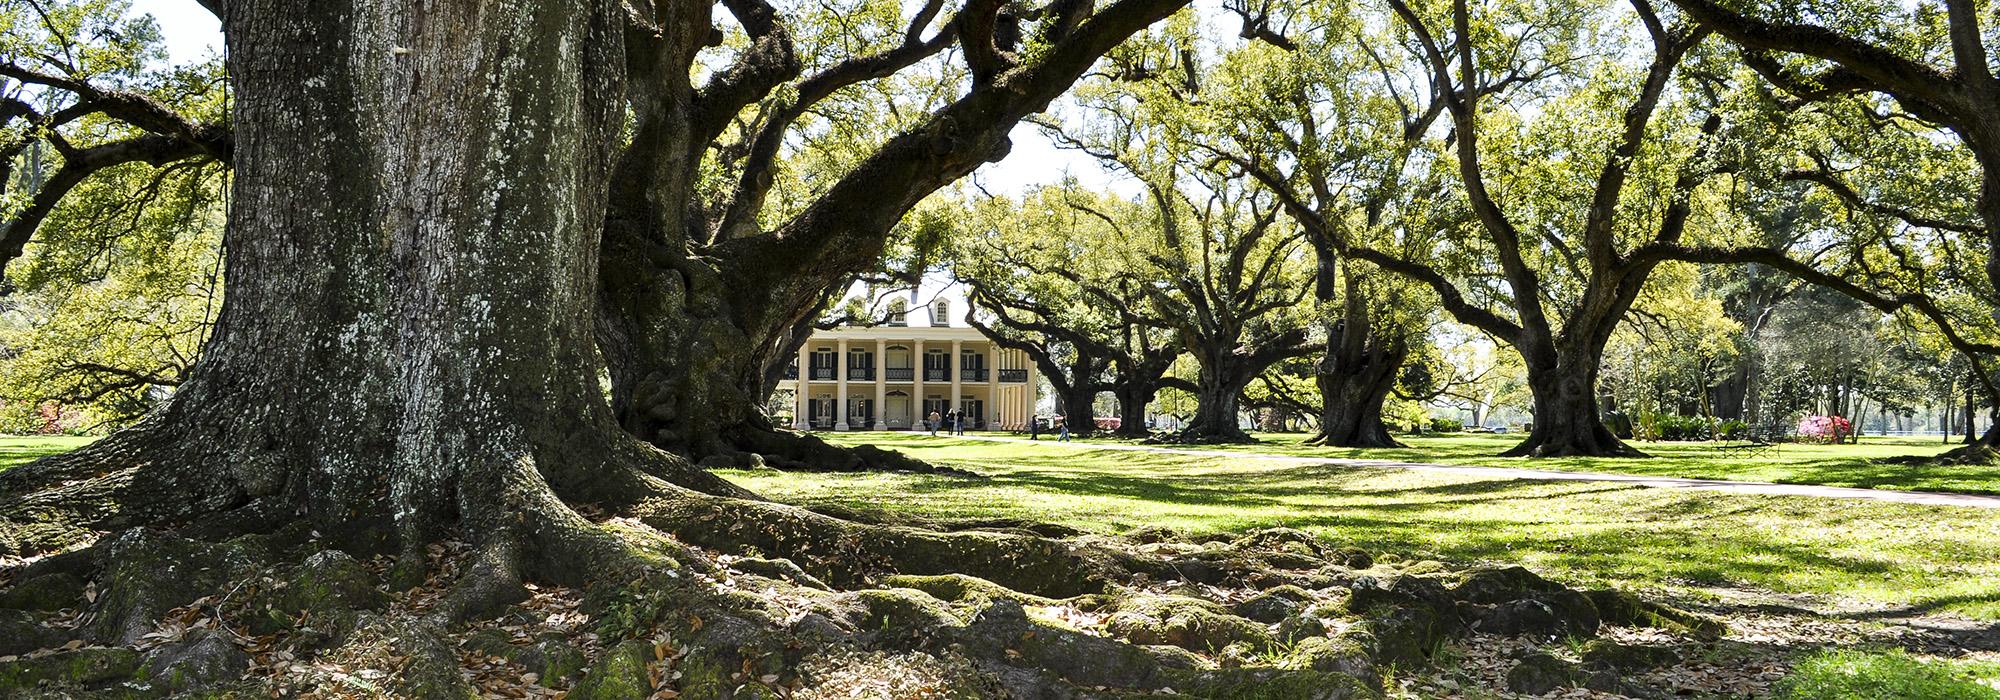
[
  {"x": 1860, "y": 675},
  {"x": 1912, "y": 558},
  {"x": 18, "y": 450},
  {"x": 1858, "y": 466}
]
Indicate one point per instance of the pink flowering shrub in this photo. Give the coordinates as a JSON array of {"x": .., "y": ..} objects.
[{"x": 1826, "y": 429}]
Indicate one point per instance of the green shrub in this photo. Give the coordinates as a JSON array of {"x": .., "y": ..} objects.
[
  {"x": 1446, "y": 425},
  {"x": 1894, "y": 675},
  {"x": 1733, "y": 429},
  {"x": 1667, "y": 426}
]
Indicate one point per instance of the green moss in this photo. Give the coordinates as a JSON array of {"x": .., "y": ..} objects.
[
  {"x": 963, "y": 588},
  {"x": 44, "y": 593},
  {"x": 1345, "y": 655},
  {"x": 1189, "y": 623},
  {"x": 78, "y": 667},
  {"x": 560, "y": 659},
  {"x": 327, "y": 589},
  {"x": 621, "y": 674},
  {"x": 1275, "y": 604},
  {"x": 1401, "y": 637},
  {"x": 904, "y": 608}
]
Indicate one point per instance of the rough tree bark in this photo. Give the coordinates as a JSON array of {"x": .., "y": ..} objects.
[
  {"x": 405, "y": 355},
  {"x": 405, "y": 344}
]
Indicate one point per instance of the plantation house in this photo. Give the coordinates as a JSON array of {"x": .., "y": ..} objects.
[{"x": 889, "y": 377}]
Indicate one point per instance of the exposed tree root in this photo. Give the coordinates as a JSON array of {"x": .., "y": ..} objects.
[
  {"x": 1598, "y": 443},
  {"x": 1378, "y": 439},
  {"x": 1193, "y": 436},
  {"x": 751, "y": 446},
  {"x": 1982, "y": 452},
  {"x": 720, "y": 597}
]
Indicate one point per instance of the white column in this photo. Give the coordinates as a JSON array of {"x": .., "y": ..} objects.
[
  {"x": 840, "y": 382},
  {"x": 799, "y": 389},
  {"x": 881, "y": 384},
  {"x": 957, "y": 370},
  {"x": 917, "y": 413},
  {"x": 992, "y": 385},
  {"x": 1034, "y": 384}
]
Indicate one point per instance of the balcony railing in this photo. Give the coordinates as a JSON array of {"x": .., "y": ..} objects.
[
  {"x": 861, "y": 373},
  {"x": 1014, "y": 376},
  {"x": 898, "y": 374},
  {"x": 792, "y": 372},
  {"x": 823, "y": 374},
  {"x": 972, "y": 374},
  {"x": 936, "y": 375}
]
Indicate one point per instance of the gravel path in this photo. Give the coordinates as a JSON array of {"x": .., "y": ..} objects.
[{"x": 1742, "y": 487}]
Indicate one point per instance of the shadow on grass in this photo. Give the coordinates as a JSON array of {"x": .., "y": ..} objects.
[{"x": 1914, "y": 557}]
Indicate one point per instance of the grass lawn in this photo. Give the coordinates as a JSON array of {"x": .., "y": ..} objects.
[
  {"x": 1830, "y": 465},
  {"x": 16, "y": 450},
  {"x": 1913, "y": 558}
]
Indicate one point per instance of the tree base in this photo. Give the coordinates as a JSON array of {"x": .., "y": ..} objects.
[
  {"x": 1594, "y": 443},
  {"x": 1984, "y": 452},
  {"x": 771, "y": 601},
  {"x": 750, "y": 447},
  {"x": 1380, "y": 440},
  {"x": 1195, "y": 437}
]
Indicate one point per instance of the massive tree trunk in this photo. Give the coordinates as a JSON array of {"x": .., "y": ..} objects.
[
  {"x": 1133, "y": 398},
  {"x": 1076, "y": 394},
  {"x": 1356, "y": 375},
  {"x": 1218, "y": 389},
  {"x": 404, "y": 346},
  {"x": 1567, "y": 424},
  {"x": 1354, "y": 393}
]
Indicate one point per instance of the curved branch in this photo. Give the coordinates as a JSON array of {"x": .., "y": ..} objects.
[
  {"x": 1907, "y": 80},
  {"x": 80, "y": 164},
  {"x": 754, "y": 184},
  {"x": 769, "y": 61}
]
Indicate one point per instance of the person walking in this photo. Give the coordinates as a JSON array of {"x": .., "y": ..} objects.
[
  {"x": 931, "y": 421},
  {"x": 1035, "y": 427},
  {"x": 1062, "y": 430},
  {"x": 958, "y": 424}
]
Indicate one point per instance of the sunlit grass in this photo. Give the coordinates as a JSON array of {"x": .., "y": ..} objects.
[
  {"x": 1894, "y": 675},
  {"x": 19, "y": 450},
  {"x": 1915, "y": 557},
  {"x": 1860, "y": 466}
]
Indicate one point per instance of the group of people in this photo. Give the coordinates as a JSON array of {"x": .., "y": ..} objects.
[
  {"x": 1061, "y": 428},
  {"x": 953, "y": 422}
]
